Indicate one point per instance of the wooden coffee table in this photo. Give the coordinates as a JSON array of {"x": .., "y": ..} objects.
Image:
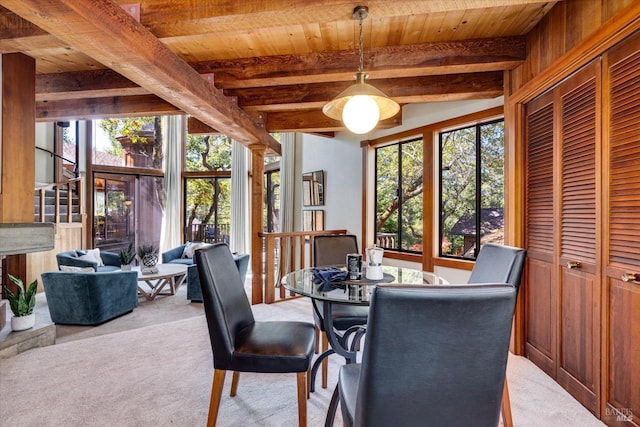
[{"x": 151, "y": 285}]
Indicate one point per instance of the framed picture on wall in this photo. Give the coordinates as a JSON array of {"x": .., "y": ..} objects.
[
  {"x": 313, "y": 188},
  {"x": 312, "y": 220}
]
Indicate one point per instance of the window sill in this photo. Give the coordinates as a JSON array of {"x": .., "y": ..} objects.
[
  {"x": 454, "y": 263},
  {"x": 403, "y": 256}
]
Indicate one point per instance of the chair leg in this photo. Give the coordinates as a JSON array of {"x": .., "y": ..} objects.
[
  {"x": 325, "y": 362},
  {"x": 317, "y": 346},
  {"x": 234, "y": 383},
  {"x": 302, "y": 398},
  {"x": 309, "y": 383},
  {"x": 507, "y": 421},
  {"x": 216, "y": 393}
]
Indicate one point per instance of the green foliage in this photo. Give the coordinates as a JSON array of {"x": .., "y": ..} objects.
[
  {"x": 22, "y": 303},
  {"x": 399, "y": 184},
  {"x": 124, "y": 127},
  {"x": 458, "y": 176},
  {"x": 127, "y": 255}
]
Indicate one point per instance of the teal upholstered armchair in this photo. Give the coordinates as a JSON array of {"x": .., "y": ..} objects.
[
  {"x": 79, "y": 258},
  {"x": 85, "y": 298}
]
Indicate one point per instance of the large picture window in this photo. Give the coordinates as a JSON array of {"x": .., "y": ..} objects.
[
  {"x": 207, "y": 188},
  {"x": 399, "y": 196},
  {"x": 471, "y": 188}
]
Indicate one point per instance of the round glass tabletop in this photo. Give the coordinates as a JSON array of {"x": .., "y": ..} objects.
[{"x": 304, "y": 282}]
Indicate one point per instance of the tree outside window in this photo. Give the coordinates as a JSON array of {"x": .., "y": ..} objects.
[
  {"x": 208, "y": 196},
  {"x": 471, "y": 182},
  {"x": 399, "y": 196}
]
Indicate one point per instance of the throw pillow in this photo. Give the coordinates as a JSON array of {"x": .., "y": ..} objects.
[
  {"x": 96, "y": 255},
  {"x": 189, "y": 251},
  {"x": 76, "y": 269},
  {"x": 185, "y": 251}
]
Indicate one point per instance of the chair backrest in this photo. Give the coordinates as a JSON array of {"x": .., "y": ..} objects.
[
  {"x": 226, "y": 305},
  {"x": 498, "y": 264},
  {"x": 435, "y": 355},
  {"x": 332, "y": 249}
]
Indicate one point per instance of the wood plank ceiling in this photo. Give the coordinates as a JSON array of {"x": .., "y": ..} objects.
[{"x": 250, "y": 67}]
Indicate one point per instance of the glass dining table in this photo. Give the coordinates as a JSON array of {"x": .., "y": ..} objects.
[{"x": 347, "y": 291}]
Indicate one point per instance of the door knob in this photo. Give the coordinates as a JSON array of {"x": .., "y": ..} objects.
[
  {"x": 630, "y": 277},
  {"x": 573, "y": 265}
]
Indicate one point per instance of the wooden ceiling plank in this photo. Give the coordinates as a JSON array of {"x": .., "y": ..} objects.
[
  {"x": 179, "y": 19},
  {"x": 108, "y": 34}
]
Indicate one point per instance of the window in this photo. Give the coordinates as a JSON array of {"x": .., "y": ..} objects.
[
  {"x": 272, "y": 198},
  {"x": 471, "y": 182},
  {"x": 207, "y": 183},
  {"x": 128, "y": 182},
  {"x": 399, "y": 196}
]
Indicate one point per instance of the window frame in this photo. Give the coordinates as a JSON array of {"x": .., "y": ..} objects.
[
  {"x": 429, "y": 258},
  {"x": 398, "y": 144},
  {"x": 478, "y": 185}
]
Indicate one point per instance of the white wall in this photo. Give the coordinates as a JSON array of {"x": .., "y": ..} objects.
[
  {"x": 342, "y": 162},
  {"x": 44, "y": 161}
]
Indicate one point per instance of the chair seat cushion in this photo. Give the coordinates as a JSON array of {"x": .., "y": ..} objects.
[
  {"x": 105, "y": 268},
  {"x": 348, "y": 380},
  {"x": 274, "y": 347}
]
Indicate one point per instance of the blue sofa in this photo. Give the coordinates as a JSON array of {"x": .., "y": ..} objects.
[
  {"x": 86, "y": 298},
  {"x": 72, "y": 258},
  {"x": 175, "y": 256},
  {"x": 194, "y": 292}
]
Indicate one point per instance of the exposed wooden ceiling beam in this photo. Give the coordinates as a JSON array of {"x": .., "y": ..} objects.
[
  {"x": 465, "y": 56},
  {"x": 108, "y": 34},
  {"x": 85, "y": 84},
  {"x": 403, "y": 90},
  {"x": 310, "y": 121},
  {"x": 150, "y": 105},
  {"x": 99, "y": 108},
  {"x": 391, "y": 62},
  {"x": 314, "y": 121},
  {"x": 281, "y": 98}
]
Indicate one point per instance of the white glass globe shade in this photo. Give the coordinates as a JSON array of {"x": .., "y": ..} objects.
[{"x": 360, "y": 114}]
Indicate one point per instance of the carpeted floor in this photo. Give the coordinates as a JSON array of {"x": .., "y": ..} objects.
[{"x": 153, "y": 367}]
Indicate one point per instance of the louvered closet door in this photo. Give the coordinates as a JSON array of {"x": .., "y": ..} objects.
[
  {"x": 540, "y": 287},
  {"x": 579, "y": 352},
  {"x": 623, "y": 267}
]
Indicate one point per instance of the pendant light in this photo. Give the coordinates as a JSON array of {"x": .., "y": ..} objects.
[{"x": 361, "y": 105}]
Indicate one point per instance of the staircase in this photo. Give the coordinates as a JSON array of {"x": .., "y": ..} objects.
[{"x": 52, "y": 202}]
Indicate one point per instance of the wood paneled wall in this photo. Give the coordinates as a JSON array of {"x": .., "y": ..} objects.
[{"x": 562, "y": 29}]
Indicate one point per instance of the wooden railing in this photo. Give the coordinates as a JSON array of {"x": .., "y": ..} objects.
[
  {"x": 286, "y": 252},
  {"x": 75, "y": 183}
]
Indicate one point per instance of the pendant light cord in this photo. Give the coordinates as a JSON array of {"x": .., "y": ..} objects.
[{"x": 361, "y": 69}]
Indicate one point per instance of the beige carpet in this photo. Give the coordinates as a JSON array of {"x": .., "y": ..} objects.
[{"x": 160, "y": 375}]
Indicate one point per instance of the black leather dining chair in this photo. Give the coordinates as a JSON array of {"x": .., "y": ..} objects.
[
  {"x": 241, "y": 344},
  {"x": 433, "y": 356},
  {"x": 332, "y": 249},
  {"x": 500, "y": 263}
]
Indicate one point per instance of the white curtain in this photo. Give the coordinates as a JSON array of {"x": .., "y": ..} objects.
[
  {"x": 287, "y": 181},
  {"x": 239, "y": 239},
  {"x": 174, "y": 131}
]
